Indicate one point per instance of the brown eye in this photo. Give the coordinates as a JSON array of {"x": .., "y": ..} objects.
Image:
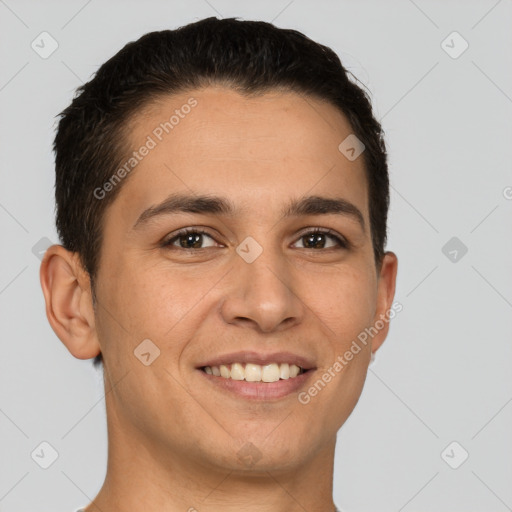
[
  {"x": 318, "y": 239},
  {"x": 188, "y": 239}
]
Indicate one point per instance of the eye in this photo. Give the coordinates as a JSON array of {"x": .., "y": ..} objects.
[
  {"x": 316, "y": 239},
  {"x": 193, "y": 239},
  {"x": 188, "y": 239}
]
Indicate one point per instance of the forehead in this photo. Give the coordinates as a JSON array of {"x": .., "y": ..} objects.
[{"x": 216, "y": 140}]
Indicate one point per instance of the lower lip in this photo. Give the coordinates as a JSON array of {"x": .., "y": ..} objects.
[{"x": 260, "y": 390}]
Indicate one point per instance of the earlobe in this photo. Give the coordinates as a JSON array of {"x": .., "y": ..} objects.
[
  {"x": 385, "y": 295},
  {"x": 69, "y": 302}
]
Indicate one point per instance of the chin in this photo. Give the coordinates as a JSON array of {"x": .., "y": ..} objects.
[{"x": 262, "y": 454}]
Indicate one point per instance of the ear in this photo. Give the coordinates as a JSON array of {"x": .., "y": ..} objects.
[
  {"x": 385, "y": 294},
  {"x": 67, "y": 293}
]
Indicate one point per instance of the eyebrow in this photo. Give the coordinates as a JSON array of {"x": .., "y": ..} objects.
[{"x": 214, "y": 205}]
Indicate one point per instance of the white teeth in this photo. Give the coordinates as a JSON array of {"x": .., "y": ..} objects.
[
  {"x": 255, "y": 372},
  {"x": 270, "y": 373},
  {"x": 294, "y": 370},
  {"x": 252, "y": 372},
  {"x": 237, "y": 372}
]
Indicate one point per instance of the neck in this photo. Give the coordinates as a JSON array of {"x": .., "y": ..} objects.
[{"x": 141, "y": 475}]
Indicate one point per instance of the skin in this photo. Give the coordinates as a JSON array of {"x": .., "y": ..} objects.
[{"x": 174, "y": 438}]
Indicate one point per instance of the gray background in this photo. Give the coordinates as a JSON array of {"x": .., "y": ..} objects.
[{"x": 443, "y": 374}]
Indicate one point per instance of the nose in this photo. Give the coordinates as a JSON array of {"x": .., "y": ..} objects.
[{"x": 261, "y": 294}]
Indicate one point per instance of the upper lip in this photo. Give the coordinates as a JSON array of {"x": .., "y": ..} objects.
[{"x": 260, "y": 358}]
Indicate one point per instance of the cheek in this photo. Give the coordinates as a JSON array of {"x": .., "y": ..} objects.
[
  {"x": 346, "y": 309},
  {"x": 344, "y": 301},
  {"x": 133, "y": 306},
  {"x": 162, "y": 303}
]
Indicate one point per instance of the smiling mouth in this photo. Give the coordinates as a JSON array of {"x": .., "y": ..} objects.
[{"x": 251, "y": 372}]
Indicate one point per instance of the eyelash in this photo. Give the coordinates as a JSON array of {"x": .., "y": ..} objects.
[{"x": 341, "y": 241}]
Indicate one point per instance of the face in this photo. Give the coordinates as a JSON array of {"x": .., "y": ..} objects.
[{"x": 250, "y": 290}]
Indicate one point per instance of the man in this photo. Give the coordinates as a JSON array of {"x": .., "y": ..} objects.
[{"x": 222, "y": 196}]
